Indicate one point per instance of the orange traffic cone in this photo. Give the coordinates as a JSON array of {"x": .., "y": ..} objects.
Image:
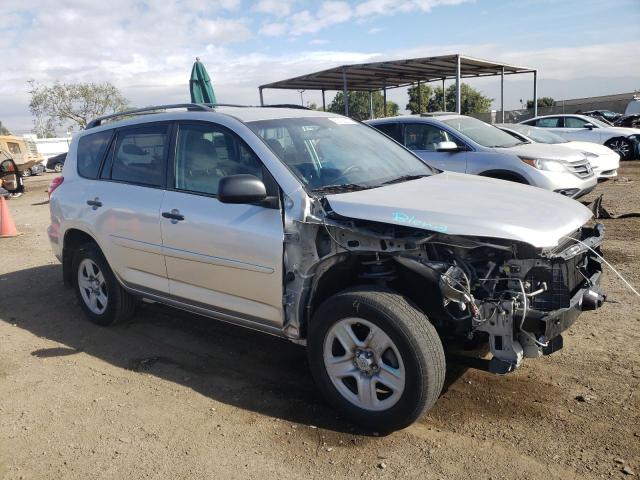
[{"x": 7, "y": 227}]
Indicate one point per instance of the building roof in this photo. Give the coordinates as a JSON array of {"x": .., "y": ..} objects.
[{"x": 396, "y": 73}]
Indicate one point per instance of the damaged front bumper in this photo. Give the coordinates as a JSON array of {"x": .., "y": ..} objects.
[{"x": 531, "y": 324}]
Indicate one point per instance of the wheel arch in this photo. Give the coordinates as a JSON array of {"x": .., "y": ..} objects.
[
  {"x": 344, "y": 275},
  {"x": 504, "y": 175},
  {"x": 73, "y": 238}
]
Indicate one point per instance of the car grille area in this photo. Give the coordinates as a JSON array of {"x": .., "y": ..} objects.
[{"x": 581, "y": 169}]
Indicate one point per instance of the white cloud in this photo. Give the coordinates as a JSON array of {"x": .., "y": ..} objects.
[
  {"x": 278, "y": 8},
  {"x": 374, "y": 30},
  {"x": 273, "y": 29},
  {"x": 392, "y": 7},
  {"x": 318, "y": 41}
]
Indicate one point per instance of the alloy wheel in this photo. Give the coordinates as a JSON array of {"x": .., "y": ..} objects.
[
  {"x": 364, "y": 364},
  {"x": 93, "y": 287}
]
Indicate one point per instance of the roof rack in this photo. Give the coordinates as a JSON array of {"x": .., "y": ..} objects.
[
  {"x": 201, "y": 107},
  {"x": 96, "y": 122}
]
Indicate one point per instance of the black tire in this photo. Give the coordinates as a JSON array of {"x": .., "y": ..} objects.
[
  {"x": 623, "y": 147},
  {"x": 26, "y": 173},
  {"x": 58, "y": 167},
  {"x": 413, "y": 335},
  {"x": 120, "y": 304}
]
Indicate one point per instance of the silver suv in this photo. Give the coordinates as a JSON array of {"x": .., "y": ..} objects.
[
  {"x": 314, "y": 227},
  {"x": 458, "y": 143}
]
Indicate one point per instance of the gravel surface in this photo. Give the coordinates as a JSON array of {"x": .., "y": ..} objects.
[{"x": 171, "y": 395}]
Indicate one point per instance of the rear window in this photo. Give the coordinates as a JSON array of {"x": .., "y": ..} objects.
[{"x": 91, "y": 149}]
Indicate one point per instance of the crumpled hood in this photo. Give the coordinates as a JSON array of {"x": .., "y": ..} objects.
[
  {"x": 546, "y": 151},
  {"x": 460, "y": 204}
]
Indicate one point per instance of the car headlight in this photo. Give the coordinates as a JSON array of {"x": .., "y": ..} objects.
[
  {"x": 545, "y": 164},
  {"x": 590, "y": 154}
]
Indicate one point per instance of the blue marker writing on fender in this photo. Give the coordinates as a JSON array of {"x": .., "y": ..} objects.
[{"x": 412, "y": 220}]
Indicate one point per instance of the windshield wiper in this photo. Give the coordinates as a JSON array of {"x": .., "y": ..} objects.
[
  {"x": 405, "y": 178},
  {"x": 345, "y": 187}
]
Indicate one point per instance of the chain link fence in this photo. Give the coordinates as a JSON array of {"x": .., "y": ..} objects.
[{"x": 563, "y": 106}]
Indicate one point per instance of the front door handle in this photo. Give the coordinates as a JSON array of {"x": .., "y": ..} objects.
[
  {"x": 174, "y": 215},
  {"x": 95, "y": 203}
]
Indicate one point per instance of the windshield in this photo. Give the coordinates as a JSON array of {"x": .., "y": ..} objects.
[
  {"x": 538, "y": 135},
  {"x": 338, "y": 152},
  {"x": 595, "y": 121},
  {"x": 482, "y": 133}
]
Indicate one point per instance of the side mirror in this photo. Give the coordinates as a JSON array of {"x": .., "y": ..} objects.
[
  {"x": 590, "y": 126},
  {"x": 10, "y": 178},
  {"x": 241, "y": 189},
  {"x": 447, "y": 147}
]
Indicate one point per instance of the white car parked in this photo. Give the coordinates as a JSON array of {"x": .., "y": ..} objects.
[
  {"x": 624, "y": 141},
  {"x": 603, "y": 160}
]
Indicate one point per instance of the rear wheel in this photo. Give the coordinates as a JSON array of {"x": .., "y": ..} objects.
[
  {"x": 58, "y": 167},
  {"x": 26, "y": 173},
  {"x": 102, "y": 298},
  {"x": 376, "y": 358},
  {"x": 622, "y": 147}
]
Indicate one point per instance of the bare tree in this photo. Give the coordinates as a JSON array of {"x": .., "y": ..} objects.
[
  {"x": 72, "y": 104},
  {"x": 4, "y": 130}
]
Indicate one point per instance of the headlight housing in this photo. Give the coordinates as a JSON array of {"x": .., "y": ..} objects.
[
  {"x": 590, "y": 154},
  {"x": 546, "y": 164}
]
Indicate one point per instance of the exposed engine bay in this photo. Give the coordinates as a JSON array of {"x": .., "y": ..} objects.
[{"x": 514, "y": 297}]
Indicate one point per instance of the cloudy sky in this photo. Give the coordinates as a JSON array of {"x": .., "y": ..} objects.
[{"x": 146, "y": 48}]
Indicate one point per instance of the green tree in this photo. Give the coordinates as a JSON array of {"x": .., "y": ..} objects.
[
  {"x": 359, "y": 105},
  {"x": 73, "y": 104},
  {"x": 542, "y": 102},
  {"x": 471, "y": 100},
  {"x": 4, "y": 130},
  {"x": 425, "y": 94}
]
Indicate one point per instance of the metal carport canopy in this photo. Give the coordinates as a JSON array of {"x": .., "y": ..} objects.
[{"x": 401, "y": 73}]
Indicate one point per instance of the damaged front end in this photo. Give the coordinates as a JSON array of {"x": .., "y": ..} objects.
[{"x": 509, "y": 295}]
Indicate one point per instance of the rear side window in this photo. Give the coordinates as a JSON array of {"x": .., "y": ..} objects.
[
  {"x": 139, "y": 155},
  {"x": 551, "y": 122},
  {"x": 91, "y": 149},
  {"x": 394, "y": 130}
]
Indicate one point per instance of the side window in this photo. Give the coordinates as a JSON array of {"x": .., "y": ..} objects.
[
  {"x": 573, "y": 122},
  {"x": 394, "y": 130},
  {"x": 550, "y": 122},
  {"x": 13, "y": 148},
  {"x": 139, "y": 155},
  {"x": 206, "y": 153},
  {"x": 422, "y": 136},
  {"x": 91, "y": 149}
]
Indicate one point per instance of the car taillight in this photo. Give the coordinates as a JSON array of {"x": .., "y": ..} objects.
[{"x": 55, "y": 183}]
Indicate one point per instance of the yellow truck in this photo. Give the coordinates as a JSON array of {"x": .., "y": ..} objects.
[{"x": 23, "y": 151}]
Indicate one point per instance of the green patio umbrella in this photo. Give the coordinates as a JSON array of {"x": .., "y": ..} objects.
[{"x": 200, "y": 84}]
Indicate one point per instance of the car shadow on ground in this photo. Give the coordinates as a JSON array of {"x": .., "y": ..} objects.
[{"x": 229, "y": 364}]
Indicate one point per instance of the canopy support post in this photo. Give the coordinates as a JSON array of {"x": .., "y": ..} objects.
[
  {"x": 370, "y": 105},
  {"x": 419, "y": 99},
  {"x": 261, "y": 98},
  {"x": 346, "y": 93},
  {"x": 324, "y": 105},
  {"x": 502, "y": 94},
  {"x": 458, "y": 103},
  {"x": 535, "y": 93},
  {"x": 384, "y": 98},
  {"x": 444, "y": 97}
]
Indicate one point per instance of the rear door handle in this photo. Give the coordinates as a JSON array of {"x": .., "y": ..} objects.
[
  {"x": 95, "y": 203},
  {"x": 174, "y": 215}
]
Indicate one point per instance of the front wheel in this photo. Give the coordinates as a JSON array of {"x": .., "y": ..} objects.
[
  {"x": 376, "y": 358},
  {"x": 622, "y": 147}
]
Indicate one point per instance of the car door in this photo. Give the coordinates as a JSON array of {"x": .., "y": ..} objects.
[
  {"x": 125, "y": 201},
  {"x": 223, "y": 257},
  {"x": 423, "y": 139},
  {"x": 574, "y": 129}
]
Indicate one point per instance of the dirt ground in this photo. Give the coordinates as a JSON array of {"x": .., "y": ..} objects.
[{"x": 171, "y": 395}]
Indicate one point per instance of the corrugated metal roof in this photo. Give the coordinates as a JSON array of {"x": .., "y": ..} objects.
[{"x": 396, "y": 73}]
